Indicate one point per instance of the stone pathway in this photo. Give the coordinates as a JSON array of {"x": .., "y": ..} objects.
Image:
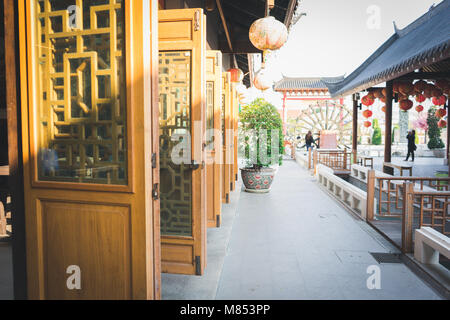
[{"x": 298, "y": 243}]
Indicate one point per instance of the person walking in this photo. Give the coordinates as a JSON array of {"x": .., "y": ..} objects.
[
  {"x": 309, "y": 140},
  {"x": 411, "y": 144}
]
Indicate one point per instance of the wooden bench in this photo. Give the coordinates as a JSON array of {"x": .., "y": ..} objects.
[
  {"x": 428, "y": 244},
  {"x": 400, "y": 167},
  {"x": 363, "y": 161}
]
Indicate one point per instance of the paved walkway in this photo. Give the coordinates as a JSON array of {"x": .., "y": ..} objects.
[{"x": 298, "y": 243}]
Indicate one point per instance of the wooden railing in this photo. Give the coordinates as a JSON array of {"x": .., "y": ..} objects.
[
  {"x": 390, "y": 191},
  {"x": 416, "y": 201},
  {"x": 338, "y": 160}
]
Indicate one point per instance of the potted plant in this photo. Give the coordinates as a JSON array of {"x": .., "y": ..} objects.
[{"x": 262, "y": 130}]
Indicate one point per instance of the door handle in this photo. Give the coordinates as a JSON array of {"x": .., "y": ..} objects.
[{"x": 194, "y": 165}]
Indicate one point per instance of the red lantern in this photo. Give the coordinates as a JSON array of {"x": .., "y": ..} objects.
[
  {"x": 419, "y": 86},
  {"x": 440, "y": 113},
  {"x": 367, "y": 113},
  {"x": 439, "y": 101},
  {"x": 442, "y": 123},
  {"x": 367, "y": 124},
  {"x": 383, "y": 99},
  {"x": 383, "y": 108},
  {"x": 420, "y": 98},
  {"x": 405, "y": 105},
  {"x": 367, "y": 101},
  {"x": 419, "y": 108},
  {"x": 406, "y": 88},
  {"x": 236, "y": 74}
]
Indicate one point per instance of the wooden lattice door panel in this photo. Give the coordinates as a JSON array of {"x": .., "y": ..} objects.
[
  {"x": 214, "y": 137},
  {"x": 85, "y": 106},
  {"x": 82, "y": 123},
  {"x": 182, "y": 89},
  {"x": 226, "y": 139}
]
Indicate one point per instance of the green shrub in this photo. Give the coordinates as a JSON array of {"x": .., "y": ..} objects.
[
  {"x": 256, "y": 116},
  {"x": 376, "y": 136},
  {"x": 434, "y": 132}
]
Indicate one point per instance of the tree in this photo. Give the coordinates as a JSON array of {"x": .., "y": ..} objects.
[
  {"x": 434, "y": 132},
  {"x": 260, "y": 121},
  {"x": 376, "y": 136}
]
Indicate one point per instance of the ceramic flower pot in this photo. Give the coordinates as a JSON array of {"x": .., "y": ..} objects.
[{"x": 257, "y": 181}]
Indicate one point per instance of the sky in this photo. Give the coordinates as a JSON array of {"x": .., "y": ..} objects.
[{"x": 337, "y": 36}]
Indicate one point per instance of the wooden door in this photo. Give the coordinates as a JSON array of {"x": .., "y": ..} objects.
[
  {"x": 213, "y": 138},
  {"x": 233, "y": 137},
  {"x": 236, "y": 133},
  {"x": 227, "y": 139},
  {"x": 91, "y": 225},
  {"x": 182, "y": 39}
]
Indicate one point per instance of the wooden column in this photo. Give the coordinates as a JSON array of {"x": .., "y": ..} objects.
[
  {"x": 15, "y": 179},
  {"x": 407, "y": 219},
  {"x": 370, "y": 195},
  {"x": 388, "y": 128},
  {"x": 448, "y": 142},
  {"x": 355, "y": 130}
]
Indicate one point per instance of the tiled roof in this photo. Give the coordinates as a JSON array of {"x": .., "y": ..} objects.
[
  {"x": 290, "y": 83},
  {"x": 422, "y": 43}
]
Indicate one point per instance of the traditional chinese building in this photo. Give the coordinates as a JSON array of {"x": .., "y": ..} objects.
[{"x": 308, "y": 106}]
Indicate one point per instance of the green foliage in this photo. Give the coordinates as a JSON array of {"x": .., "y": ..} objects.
[
  {"x": 261, "y": 115},
  {"x": 434, "y": 132},
  {"x": 376, "y": 136}
]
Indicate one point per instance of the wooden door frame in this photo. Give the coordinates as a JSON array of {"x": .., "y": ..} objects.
[
  {"x": 171, "y": 246},
  {"x": 227, "y": 145},
  {"x": 214, "y": 218},
  {"x": 15, "y": 179},
  {"x": 144, "y": 270}
]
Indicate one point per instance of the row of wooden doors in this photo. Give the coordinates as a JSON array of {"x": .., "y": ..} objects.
[
  {"x": 107, "y": 208},
  {"x": 197, "y": 104}
]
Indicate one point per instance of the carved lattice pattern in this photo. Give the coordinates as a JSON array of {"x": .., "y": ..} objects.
[
  {"x": 174, "y": 108},
  {"x": 81, "y": 91}
]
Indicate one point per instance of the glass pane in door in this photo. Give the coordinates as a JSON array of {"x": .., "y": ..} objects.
[
  {"x": 81, "y": 91},
  {"x": 175, "y": 128}
]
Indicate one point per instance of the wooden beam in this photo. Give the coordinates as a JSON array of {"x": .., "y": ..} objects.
[
  {"x": 425, "y": 76},
  {"x": 290, "y": 12},
  {"x": 15, "y": 179},
  {"x": 388, "y": 128},
  {"x": 224, "y": 23}
]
